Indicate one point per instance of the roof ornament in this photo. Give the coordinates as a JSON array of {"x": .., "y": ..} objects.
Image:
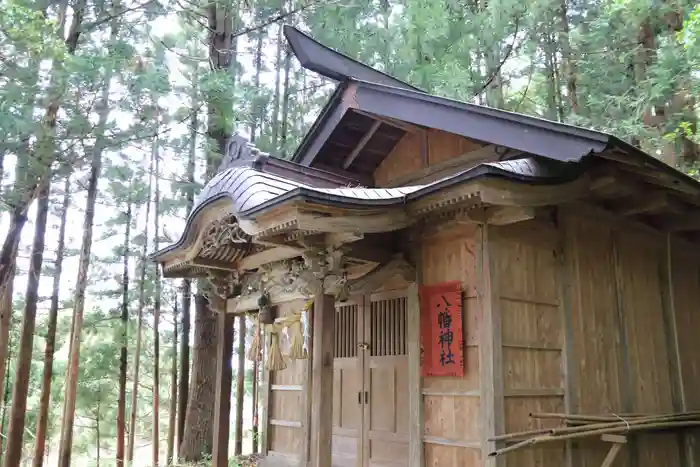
[{"x": 239, "y": 151}]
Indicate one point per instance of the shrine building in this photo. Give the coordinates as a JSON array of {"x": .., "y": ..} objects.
[{"x": 435, "y": 281}]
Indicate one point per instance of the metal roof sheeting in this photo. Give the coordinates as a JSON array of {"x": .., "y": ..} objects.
[{"x": 251, "y": 190}]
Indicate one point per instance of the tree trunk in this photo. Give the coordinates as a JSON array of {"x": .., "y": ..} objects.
[
  {"x": 256, "y": 114},
  {"x": 139, "y": 326},
  {"x": 240, "y": 386},
  {"x": 197, "y": 439},
  {"x": 568, "y": 61},
  {"x": 29, "y": 186},
  {"x": 5, "y": 395},
  {"x": 97, "y": 433},
  {"x": 43, "y": 418},
  {"x": 276, "y": 96},
  {"x": 156, "y": 318},
  {"x": 173, "y": 393},
  {"x": 550, "y": 69},
  {"x": 66, "y": 443},
  {"x": 5, "y": 325},
  {"x": 184, "y": 377},
  {"x": 81, "y": 286},
  {"x": 20, "y": 389},
  {"x": 5, "y": 398},
  {"x": 183, "y": 390},
  {"x": 121, "y": 402},
  {"x": 285, "y": 102}
]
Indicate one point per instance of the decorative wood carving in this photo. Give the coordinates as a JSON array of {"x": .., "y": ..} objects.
[
  {"x": 317, "y": 270},
  {"x": 222, "y": 286},
  {"x": 375, "y": 278},
  {"x": 224, "y": 232}
]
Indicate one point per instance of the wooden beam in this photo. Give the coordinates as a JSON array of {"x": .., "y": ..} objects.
[
  {"x": 505, "y": 193},
  {"x": 322, "y": 381},
  {"x": 435, "y": 171},
  {"x": 612, "y": 454},
  {"x": 379, "y": 275},
  {"x": 391, "y": 220},
  {"x": 249, "y": 302},
  {"x": 642, "y": 204},
  {"x": 222, "y": 395},
  {"x": 681, "y": 223},
  {"x": 277, "y": 253},
  {"x": 498, "y": 215},
  {"x": 391, "y": 122},
  {"x": 614, "y": 439},
  {"x": 214, "y": 264},
  {"x": 361, "y": 144},
  {"x": 416, "y": 457},
  {"x": 661, "y": 178}
]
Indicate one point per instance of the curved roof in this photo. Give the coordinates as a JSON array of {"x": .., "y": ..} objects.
[{"x": 252, "y": 191}]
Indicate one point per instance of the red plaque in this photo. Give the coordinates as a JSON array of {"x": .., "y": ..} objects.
[{"x": 442, "y": 341}]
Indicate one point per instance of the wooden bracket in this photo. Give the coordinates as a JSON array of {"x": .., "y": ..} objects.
[
  {"x": 497, "y": 215},
  {"x": 617, "y": 442}
]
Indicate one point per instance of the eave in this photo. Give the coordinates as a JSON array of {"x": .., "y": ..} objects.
[{"x": 332, "y": 64}]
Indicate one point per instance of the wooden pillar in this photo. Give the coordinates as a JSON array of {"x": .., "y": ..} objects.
[
  {"x": 666, "y": 273},
  {"x": 222, "y": 394},
  {"x": 490, "y": 348},
  {"x": 416, "y": 456},
  {"x": 306, "y": 391},
  {"x": 565, "y": 266},
  {"x": 322, "y": 380},
  {"x": 265, "y": 384},
  {"x": 240, "y": 386}
]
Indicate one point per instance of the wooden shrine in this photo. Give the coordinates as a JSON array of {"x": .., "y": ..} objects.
[{"x": 439, "y": 281}]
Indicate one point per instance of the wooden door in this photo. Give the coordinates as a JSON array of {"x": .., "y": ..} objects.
[
  {"x": 385, "y": 415},
  {"x": 347, "y": 386}
]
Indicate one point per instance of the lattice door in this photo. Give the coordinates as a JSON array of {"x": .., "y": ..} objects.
[
  {"x": 347, "y": 386},
  {"x": 385, "y": 424}
]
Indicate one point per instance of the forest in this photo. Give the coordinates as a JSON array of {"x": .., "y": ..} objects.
[{"x": 113, "y": 114}]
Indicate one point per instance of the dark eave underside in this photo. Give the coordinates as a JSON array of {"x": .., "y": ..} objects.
[{"x": 359, "y": 143}]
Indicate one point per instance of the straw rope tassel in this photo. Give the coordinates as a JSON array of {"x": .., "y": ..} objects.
[
  {"x": 296, "y": 349},
  {"x": 275, "y": 361},
  {"x": 254, "y": 352}
]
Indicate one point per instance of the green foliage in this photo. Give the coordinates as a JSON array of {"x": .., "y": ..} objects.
[{"x": 164, "y": 97}]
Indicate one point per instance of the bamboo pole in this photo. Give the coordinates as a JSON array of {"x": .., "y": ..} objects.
[
  {"x": 595, "y": 432},
  {"x": 604, "y": 418},
  {"x": 583, "y": 425}
]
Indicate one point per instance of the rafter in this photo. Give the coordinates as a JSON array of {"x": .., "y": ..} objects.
[
  {"x": 361, "y": 144},
  {"x": 401, "y": 125}
]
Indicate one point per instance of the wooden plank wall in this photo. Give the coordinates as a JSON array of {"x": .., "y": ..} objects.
[
  {"x": 451, "y": 404},
  {"x": 685, "y": 284},
  {"x": 411, "y": 154},
  {"x": 526, "y": 300},
  {"x": 286, "y": 406},
  {"x": 595, "y": 317},
  {"x": 631, "y": 304}
]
